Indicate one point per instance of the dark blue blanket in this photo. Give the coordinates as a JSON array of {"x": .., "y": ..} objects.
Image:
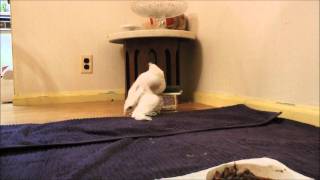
[{"x": 170, "y": 145}]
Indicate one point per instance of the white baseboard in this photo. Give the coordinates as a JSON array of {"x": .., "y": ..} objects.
[
  {"x": 301, "y": 113},
  {"x": 69, "y": 97}
]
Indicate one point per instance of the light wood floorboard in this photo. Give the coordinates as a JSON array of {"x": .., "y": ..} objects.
[{"x": 50, "y": 113}]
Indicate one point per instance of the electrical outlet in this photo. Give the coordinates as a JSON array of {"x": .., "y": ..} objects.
[{"x": 86, "y": 64}]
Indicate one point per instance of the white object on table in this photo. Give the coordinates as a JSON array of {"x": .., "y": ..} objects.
[{"x": 160, "y": 10}]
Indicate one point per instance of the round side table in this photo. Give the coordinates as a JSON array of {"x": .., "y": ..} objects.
[{"x": 159, "y": 46}]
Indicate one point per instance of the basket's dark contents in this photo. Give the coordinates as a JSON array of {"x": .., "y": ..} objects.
[{"x": 231, "y": 173}]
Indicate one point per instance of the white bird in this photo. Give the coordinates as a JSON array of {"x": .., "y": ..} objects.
[
  {"x": 149, "y": 105},
  {"x": 143, "y": 97}
]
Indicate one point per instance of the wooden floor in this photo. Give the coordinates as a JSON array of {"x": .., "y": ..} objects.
[{"x": 50, "y": 113}]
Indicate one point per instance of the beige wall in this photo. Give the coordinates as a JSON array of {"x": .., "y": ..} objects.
[
  {"x": 49, "y": 38},
  {"x": 263, "y": 49}
]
